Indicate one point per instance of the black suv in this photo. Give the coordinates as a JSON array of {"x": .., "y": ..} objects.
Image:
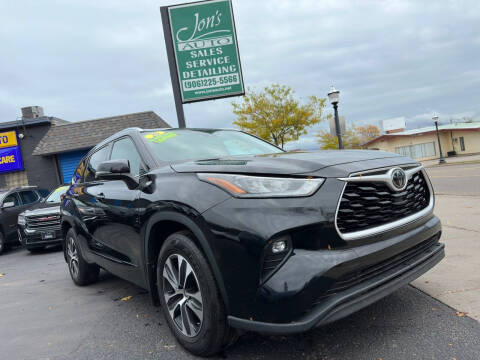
[
  {"x": 12, "y": 203},
  {"x": 227, "y": 231},
  {"x": 39, "y": 226}
]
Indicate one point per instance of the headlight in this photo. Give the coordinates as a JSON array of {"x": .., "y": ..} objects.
[
  {"x": 263, "y": 187},
  {"x": 21, "y": 220}
]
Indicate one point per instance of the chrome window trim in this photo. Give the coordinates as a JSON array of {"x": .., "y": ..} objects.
[{"x": 359, "y": 177}]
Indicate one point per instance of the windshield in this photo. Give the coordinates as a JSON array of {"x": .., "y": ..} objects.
[
  {"x": 54, "y": 196},
  {"x": 173, "y": 145}
]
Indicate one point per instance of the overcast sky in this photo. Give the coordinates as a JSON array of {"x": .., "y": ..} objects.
[{"x": 94, "y": 58}]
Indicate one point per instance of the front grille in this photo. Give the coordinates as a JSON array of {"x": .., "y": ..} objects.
[
  {"x": 369, "y": 204},
  {"x": 43, "y": 222},
  {"x": 354, "y": 278}
]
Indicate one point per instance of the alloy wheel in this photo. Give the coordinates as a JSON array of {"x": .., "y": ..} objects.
[
  {"x": 182, "y": 294},
  {"x": 72, "y": 257}
]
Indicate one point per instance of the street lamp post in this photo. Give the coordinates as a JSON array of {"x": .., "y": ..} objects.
[
  {"x": 442, "y": 160},
  {"x": 333, "y": 96}
]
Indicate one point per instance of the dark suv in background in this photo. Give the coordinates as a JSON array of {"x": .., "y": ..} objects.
[
  {"x": 12, "y": 203},
  {"x": 39, "y": 226},
  {"x": 227, "y": 231}
]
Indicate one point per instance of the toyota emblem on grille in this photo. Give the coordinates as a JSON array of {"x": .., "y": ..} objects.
[{"x": 399, "y": 179}]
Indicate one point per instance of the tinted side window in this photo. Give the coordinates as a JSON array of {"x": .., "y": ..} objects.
[
  {"x": 93, "y": 162},
  {"x": 43, "y": 192},
  {"x": 125, "y": 149},
  {"x": 28, "y": 197},
  {"x": 12, "y": 198}
]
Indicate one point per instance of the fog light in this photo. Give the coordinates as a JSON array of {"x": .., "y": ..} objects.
[{"x": 279, "y": 246}]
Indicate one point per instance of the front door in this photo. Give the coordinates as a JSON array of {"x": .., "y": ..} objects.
[{"x": 111, "y": 216}]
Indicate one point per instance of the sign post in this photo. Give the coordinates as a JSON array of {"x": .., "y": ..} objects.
[{"x": 202, "y": 51}]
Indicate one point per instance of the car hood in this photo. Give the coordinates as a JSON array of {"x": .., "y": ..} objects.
[
  {"x": 43, "y": 209},
  {"x": 294, "y": 162}
]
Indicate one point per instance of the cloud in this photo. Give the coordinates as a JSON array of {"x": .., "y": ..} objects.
[{"x": 392, "y": 58}]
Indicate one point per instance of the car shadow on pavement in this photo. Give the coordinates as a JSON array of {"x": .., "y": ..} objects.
[
  {"x": 407, "y": 324},
  {"x": 404, "y": 325}
]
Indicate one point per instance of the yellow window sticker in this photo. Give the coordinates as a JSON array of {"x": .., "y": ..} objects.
[{"x": 159, "y": 137}]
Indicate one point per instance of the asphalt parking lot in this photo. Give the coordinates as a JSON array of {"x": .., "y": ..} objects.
[{"x": 43, "y": 315}]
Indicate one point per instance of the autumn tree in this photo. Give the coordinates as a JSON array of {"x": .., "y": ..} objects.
[
  {"x": 353, "y": 138},
  {"x": 367, "y": 132},
  {"x": 275, "y": 115}
]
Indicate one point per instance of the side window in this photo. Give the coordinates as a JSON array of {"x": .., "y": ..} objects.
[
  {"x": 78, "y": 174},
  {"x": 28, "y": 197},
  {"x": 125, "y": 149},
  {"x": 462, "y": 143},
  {"x": 93, "y": 162},
  {"x": 12, "y": 198},
  {"x": 43, "y": 192}
]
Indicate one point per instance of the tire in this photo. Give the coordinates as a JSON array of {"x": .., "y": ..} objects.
[
  {"x": 191, "y": 304},
  {"x": 81, "y": 272},
  {"x": 36, "y": 249},
  {"x": 3, "y": 243}
]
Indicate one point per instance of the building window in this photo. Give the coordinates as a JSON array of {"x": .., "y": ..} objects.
[
  {"x": 418, "y": 151},
  {"x": 462, "y": 143}
]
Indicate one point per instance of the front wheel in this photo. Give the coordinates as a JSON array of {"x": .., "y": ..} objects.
[
  {"x": 190, "y": 298},
  {"x": 81, "y": 272}
]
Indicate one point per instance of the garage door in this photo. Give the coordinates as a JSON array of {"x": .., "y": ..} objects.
[{"x": 69, "y": 162}]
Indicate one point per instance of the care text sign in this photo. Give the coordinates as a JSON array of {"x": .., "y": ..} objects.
[{"x": 205, "y": 49}]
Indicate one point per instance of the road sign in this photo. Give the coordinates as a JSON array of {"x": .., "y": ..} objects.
[{"x": 203, "y": 50}]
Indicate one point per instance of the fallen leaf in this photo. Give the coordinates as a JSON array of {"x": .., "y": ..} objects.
[
  {"x": 126, "y": 298},
  {"x": 1, "y": 275},
  {"x": 461, "y": 313}
]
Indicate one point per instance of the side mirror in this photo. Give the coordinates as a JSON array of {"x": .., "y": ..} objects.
[
  {"x": 116, "y": 170},
  {"x": 9, "y": 204}
]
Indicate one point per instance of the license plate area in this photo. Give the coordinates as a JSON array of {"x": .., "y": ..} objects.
[{"x": 49, "y": 235}]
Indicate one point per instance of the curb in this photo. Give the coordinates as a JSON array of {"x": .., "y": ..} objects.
[{"x": 453, "y": 163}]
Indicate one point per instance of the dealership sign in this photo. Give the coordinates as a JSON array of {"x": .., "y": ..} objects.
[
  {"x": 10, "y": 154},
  {"x": 205, "y": 50}
]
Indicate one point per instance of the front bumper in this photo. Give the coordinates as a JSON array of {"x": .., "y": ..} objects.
[
  {"x": 352, "y": 299},
  {"x": 31, "y": 238}
]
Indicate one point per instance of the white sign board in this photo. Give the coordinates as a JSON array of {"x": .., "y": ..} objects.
[
  {"x": 394, "y": 124},
  {"x": 333, "y": 131}
]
